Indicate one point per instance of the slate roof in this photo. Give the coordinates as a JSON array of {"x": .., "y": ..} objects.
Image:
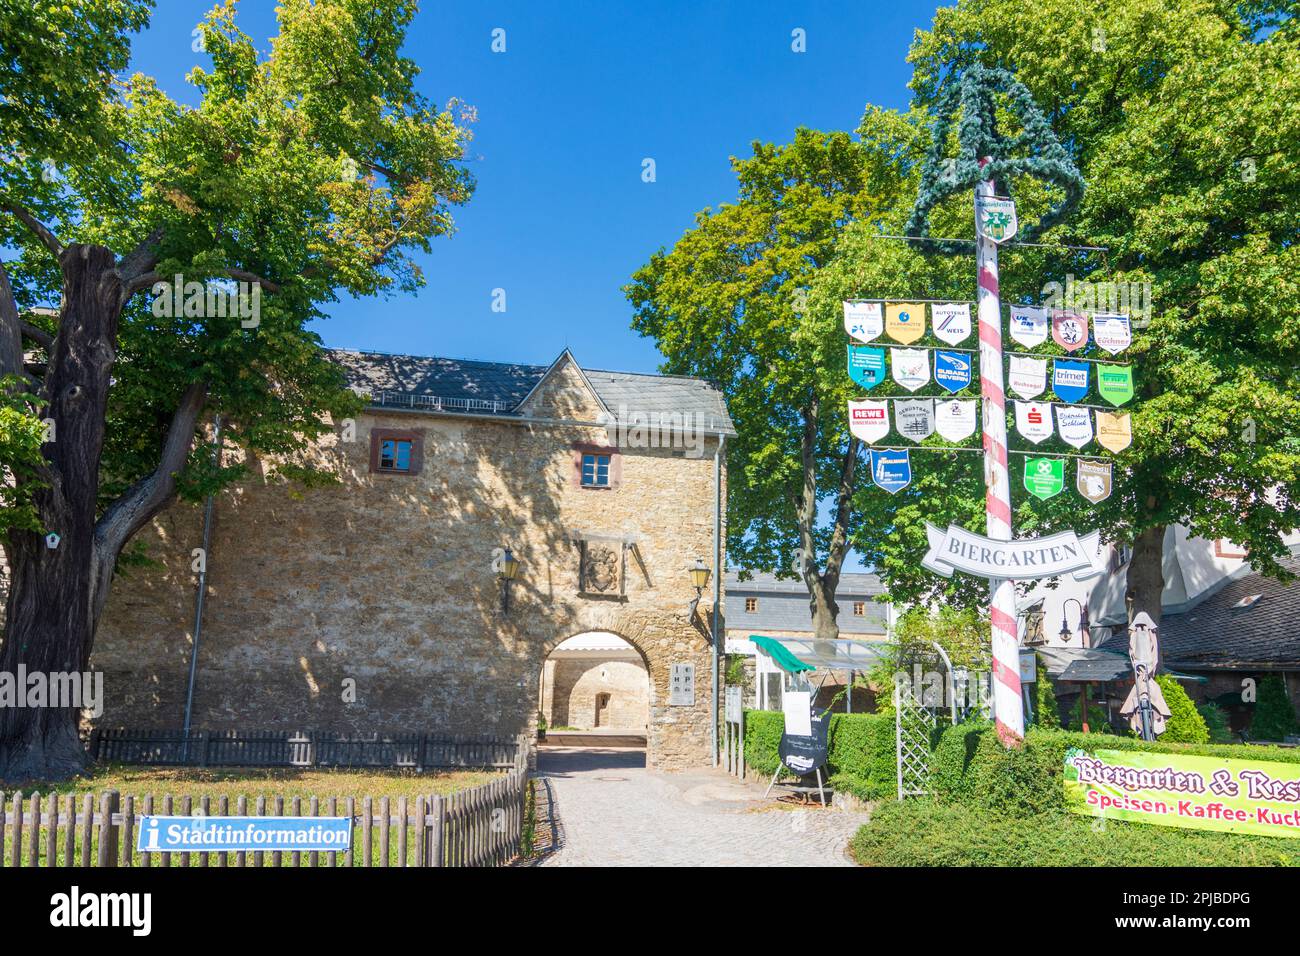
[
  {"x": 461, "y": 385},
  {"x": 1079, "y": 663},
  {"x": 1213, "y": 635},
  {"x": 783, "y": 604}
]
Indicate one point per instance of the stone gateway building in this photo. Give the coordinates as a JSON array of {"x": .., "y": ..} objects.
[{"x": 378, "y": 604}]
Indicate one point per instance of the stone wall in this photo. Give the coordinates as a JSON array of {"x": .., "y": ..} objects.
[
  {"x": 374, "y": 605},
  {"x": 574, "y": 687}
]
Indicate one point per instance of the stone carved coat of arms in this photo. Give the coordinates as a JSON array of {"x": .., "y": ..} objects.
[{"x": 601, "y": 569}]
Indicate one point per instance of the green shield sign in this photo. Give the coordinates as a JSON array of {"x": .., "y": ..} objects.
[
  {"x": 1115, "y": 383},
  {"x": 1044, "y": 477}
]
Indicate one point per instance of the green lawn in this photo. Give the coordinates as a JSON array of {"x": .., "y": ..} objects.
[
  {"x": 270, "y": 783},
  {"x": 196, "y": 785}
]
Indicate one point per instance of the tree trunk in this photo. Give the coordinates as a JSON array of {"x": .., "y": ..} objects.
[
  {"x": 822, "y": 585},
  {"x": 1146, "y": 576},
  {"x": 50, "y": 620}
]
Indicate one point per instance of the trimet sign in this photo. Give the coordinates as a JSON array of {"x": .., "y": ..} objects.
[{"x": 1026, "y": 559}]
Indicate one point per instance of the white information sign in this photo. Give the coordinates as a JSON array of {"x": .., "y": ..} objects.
[
  {"x": 1026, "y": 559},
  {"x": 797, "y": 705},
  {"x": 681, "y": 687}
]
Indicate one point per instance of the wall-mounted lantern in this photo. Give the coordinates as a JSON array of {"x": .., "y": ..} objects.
[
  {"x": 509, "y": 570},
  {"x": 699, "y": 573}
]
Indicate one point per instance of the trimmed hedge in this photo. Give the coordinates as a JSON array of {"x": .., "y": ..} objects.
[
  {"x": 930, "y": 833},
  {"x": 971, "y": 766},
  {"x": 861, "y": 753},
  {"x": 1185, "y": 723},
  {"x": 1274, "y": 716}
]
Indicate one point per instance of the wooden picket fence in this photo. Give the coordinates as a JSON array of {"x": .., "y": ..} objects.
[
  {"x": 482, "y": 826},
  {"x": 260, "y": 748}
]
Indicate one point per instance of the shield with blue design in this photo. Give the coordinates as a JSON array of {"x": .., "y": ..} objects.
[
  {"x": 1070, "y": 380},
  {"x": 866, "y": 365},
  {"x": 891, "y": 470},
  {"x": 952, "y": 370}
]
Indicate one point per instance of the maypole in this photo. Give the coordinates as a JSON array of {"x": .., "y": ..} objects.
[
  {"x": 984, "y": 159},
  {"x": 1007, "y": 709}
]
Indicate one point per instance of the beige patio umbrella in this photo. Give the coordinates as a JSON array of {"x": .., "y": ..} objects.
[{"x": 1145, "y": 705}]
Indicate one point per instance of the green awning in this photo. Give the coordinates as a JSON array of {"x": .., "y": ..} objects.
[{"x": 779, "y": 653}]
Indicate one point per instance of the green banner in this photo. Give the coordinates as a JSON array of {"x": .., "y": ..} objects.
[
  {"x": 1115, "y": 383},
  {"x": 1044, "y": 477},
  {"x": 1184, "y": 790}
]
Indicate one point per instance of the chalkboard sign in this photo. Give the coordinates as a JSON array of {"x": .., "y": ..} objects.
[{"x": 803, "y": 755}]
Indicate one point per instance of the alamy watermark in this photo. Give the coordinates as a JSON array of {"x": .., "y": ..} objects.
[
  {"x": 1123, "y": 298},
  {"x": 634, "y": 428},
  {"x": 969, "y": 690},
  {"x": 215, "y": 298},
  {"x": 83, "y": 690}
]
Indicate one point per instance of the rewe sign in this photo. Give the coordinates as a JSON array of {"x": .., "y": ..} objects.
[{"x": 1025, "y": 559}]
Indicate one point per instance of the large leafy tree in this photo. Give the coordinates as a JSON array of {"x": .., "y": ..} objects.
[
  {"x": 304, "y": 172},
  {"x": 1181, "y": 115},
  {"x": 729, "y": 302}
]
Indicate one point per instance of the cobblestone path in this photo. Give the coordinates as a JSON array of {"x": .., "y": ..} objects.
[{"x": 612, "y": 811}]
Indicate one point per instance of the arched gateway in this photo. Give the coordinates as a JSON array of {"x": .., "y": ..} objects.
[{"x": 379, "y": 604}]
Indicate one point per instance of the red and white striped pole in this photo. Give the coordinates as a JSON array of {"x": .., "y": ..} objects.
[{"x": 1007, "y": 707}]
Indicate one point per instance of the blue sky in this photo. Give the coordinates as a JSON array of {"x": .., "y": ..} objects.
[{"x": 584, "y": 92}]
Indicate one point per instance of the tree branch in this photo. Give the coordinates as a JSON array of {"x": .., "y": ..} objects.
[
  {"x": 36, "y": 227},
  {"x": 142, "y": 258},
  {"x": 39, "y": 336},
  {"x": 147, "y": 279},
  {"x": 129, "y": 513}
]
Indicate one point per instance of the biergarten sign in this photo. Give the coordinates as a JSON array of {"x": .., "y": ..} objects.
[
  {"x": 1185, "y": 790},
  {"x": 1025, "y": 559}
]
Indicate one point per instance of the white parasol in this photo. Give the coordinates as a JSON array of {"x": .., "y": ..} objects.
[{"x": 1145, "y": 705}]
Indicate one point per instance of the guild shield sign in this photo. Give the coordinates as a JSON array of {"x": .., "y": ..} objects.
[
  {"x": 1028, "y": 376},
  {"x": 914, "y": 420},
  {"x": 1114, "y": 432},
  {"x": 1034, "y": 420},
  {"x": 911, "y": 367},
  {"x": 1070, "y": 380},
  {"x": 905, "y": 321},
  {"x": 1115, "y": 383},
  {"x": 866, "y": 365},
  {"x": 996, "y": 218},
  {"x": 1028, "y": 325},
  {"x": 955, "y": 420},
  {"x": 1114, "y": 333},
  {"x": 863, "y": 321},
  {"x": 1069, "y": 330},
  {"x": 952, "y": 369},
  {"x": 1093, "y": 480},
  {"x": 1074, "y": 425},
  {"x": 869, "y": 420},
  {"x": 1044, "y": 477},
  {"x": 951, "y": 322},
  {"x": 891, "y": 470}
]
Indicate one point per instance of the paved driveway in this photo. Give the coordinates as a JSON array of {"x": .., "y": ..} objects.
[{"x": 611, "y": 811}]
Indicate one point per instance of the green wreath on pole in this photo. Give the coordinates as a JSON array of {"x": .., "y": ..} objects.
[{"x": 1040, "y": 153}]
